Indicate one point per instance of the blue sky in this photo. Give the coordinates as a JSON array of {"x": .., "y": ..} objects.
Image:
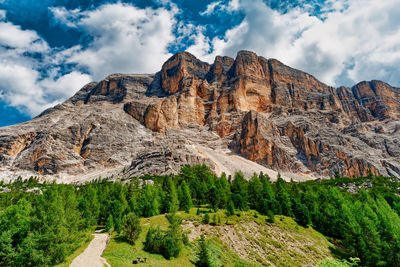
[{"x": 49, "y": 49}]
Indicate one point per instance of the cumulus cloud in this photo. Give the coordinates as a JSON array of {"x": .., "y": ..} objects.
[
  {"x": 24, "y": 55},
  {"x": 349, "y": 42},
  {"x": 2, "y": 14},
  {"x": 210, "y": 8},
  {"x": 64, "y": 16},
  {"x": 219, "y": 6},
  {"x": 124, "y": 38},
  {"x": 345, "y": 42}
]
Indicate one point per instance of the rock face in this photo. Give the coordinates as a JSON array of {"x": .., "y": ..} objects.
[{"x": 192, "y": 112}]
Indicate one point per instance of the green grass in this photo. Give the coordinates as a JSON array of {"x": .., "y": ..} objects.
[
  {"x": 225, "y": 257},
  {"x": 120, "y": 253}
]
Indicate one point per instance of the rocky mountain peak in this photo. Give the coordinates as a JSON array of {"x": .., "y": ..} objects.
[
  {"x": 179, "y": 66},
  {"x": 248, "y": 113}
]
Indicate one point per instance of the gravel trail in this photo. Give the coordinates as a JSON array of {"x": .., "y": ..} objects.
[{"x": 91, "y": 257}]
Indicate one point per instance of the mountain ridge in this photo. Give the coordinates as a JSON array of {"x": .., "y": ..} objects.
[{"x": 192, "y": 112}]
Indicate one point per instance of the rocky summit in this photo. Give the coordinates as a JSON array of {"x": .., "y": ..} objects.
[{"x": 250, "y": 113}]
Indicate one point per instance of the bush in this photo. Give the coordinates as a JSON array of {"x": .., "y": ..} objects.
[
  {"x": 271, "y": 217},
  {"x": 206, "y": 218}
]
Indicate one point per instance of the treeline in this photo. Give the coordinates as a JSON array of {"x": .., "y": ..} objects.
[{"x": 42, "y": 228}]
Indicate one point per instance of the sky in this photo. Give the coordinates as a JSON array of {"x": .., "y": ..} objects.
[{"x": 49, "y": 49}]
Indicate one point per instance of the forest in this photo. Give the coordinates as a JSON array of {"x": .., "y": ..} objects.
[{"x": 42, "y": 223}]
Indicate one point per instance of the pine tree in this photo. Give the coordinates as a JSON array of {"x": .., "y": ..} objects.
[
  {"x": 239, "y": 190},
  {"x": 149, "y": 201},
  {"x": 204, "y": 258},
  {"x": 224, "y": 190},
  {"x": 118, "y": 225},
  {"x": 271, "y": 217},
  {"x": 214, "y": 198},
  {"x": 109, "y": 223},
  {"x": 132, "y": 227},
  {"x": 171, "y": 202},
  {"x": 255, "y": 191},
  {"x": 186, "y": 199},
  {"x": 283, "y": 197},
  {"x": 230, "y": 209},
  {"x": 301, "y": 214}
]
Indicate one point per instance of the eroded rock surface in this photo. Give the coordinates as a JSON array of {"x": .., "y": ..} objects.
[{"x": 192, "y": 112}]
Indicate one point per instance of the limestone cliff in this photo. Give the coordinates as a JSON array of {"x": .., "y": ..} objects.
[{"x": 193, "y": 112}]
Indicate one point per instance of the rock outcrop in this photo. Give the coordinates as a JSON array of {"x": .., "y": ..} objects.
[{"x": 192, "y": 112}]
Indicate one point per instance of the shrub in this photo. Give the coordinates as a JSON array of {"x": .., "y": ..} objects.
[{"x": 206, "y": 218}]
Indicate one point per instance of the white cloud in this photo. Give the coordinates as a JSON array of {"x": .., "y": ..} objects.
[
  {"x": 63, "y": 86},
  {"x": 349, "y": 42},
  {"x": 219, "y": 6},
  {"x": 210, "y": 8},
  {"x": 21, "y": 82},
  {"x": 14, "y": 37},
  {"x": 2, "y": 14},
  {"x": 352, "y": 41},
  {"x": 125, "y": 38},
  {"x": 64, "y": 16}
]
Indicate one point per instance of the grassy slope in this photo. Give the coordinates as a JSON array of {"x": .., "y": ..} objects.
[{"x": 282, "y": 243}]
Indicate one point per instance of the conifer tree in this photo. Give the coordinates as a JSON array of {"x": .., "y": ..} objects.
[
  {"x": 230, "y": 209},
  {"x": 132, "y": 227},
  {"x": 186, "y": 199},
  {"x": 171, "y": 202},
  {"x": 204, "y": 258},
  {"x": 109, "y": 223}
]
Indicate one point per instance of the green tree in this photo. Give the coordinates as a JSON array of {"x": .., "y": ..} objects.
[
  {"x": 186, "y": 198},
  {"x": 109, "y": 223},
  {"x": 203, "y": 256},
  {"x": 230, "y": 209},
  {"x": 149, "y": 201},
  {"x": 154, "y": 240},
  {"x": 271, "y": 217},
  {"x": 174, "y": 236},
  {"x": 239, "y": 190},
  {"x": 283, "y": 197},
  {"x": 132, "y": 227},
  {"x": 302, "y": 214},
  {"x": 171, "y": 202},
  {"x": 255, "y": 193},
  {"x": 118, "y": 225},
  {"x": 206, "y": 218},
  {"x": 214, "y": 198}
]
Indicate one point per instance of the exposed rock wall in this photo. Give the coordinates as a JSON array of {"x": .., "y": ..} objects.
[{"x": 259, "y": 108}]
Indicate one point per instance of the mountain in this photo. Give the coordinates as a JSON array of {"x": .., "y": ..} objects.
[{"x": 248, "y": 113}]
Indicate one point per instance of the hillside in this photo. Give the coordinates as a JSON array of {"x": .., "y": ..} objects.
[
  {"x": 274, "y": 223},
  {"x": 247, "y": 239},
  {"x": 248, "y": 113}
]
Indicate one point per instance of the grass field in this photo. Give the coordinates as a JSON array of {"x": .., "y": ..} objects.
[{"x": 120, "y": 253}]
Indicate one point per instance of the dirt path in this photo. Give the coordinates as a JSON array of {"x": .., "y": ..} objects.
[{"x": 91, "y": 257}]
